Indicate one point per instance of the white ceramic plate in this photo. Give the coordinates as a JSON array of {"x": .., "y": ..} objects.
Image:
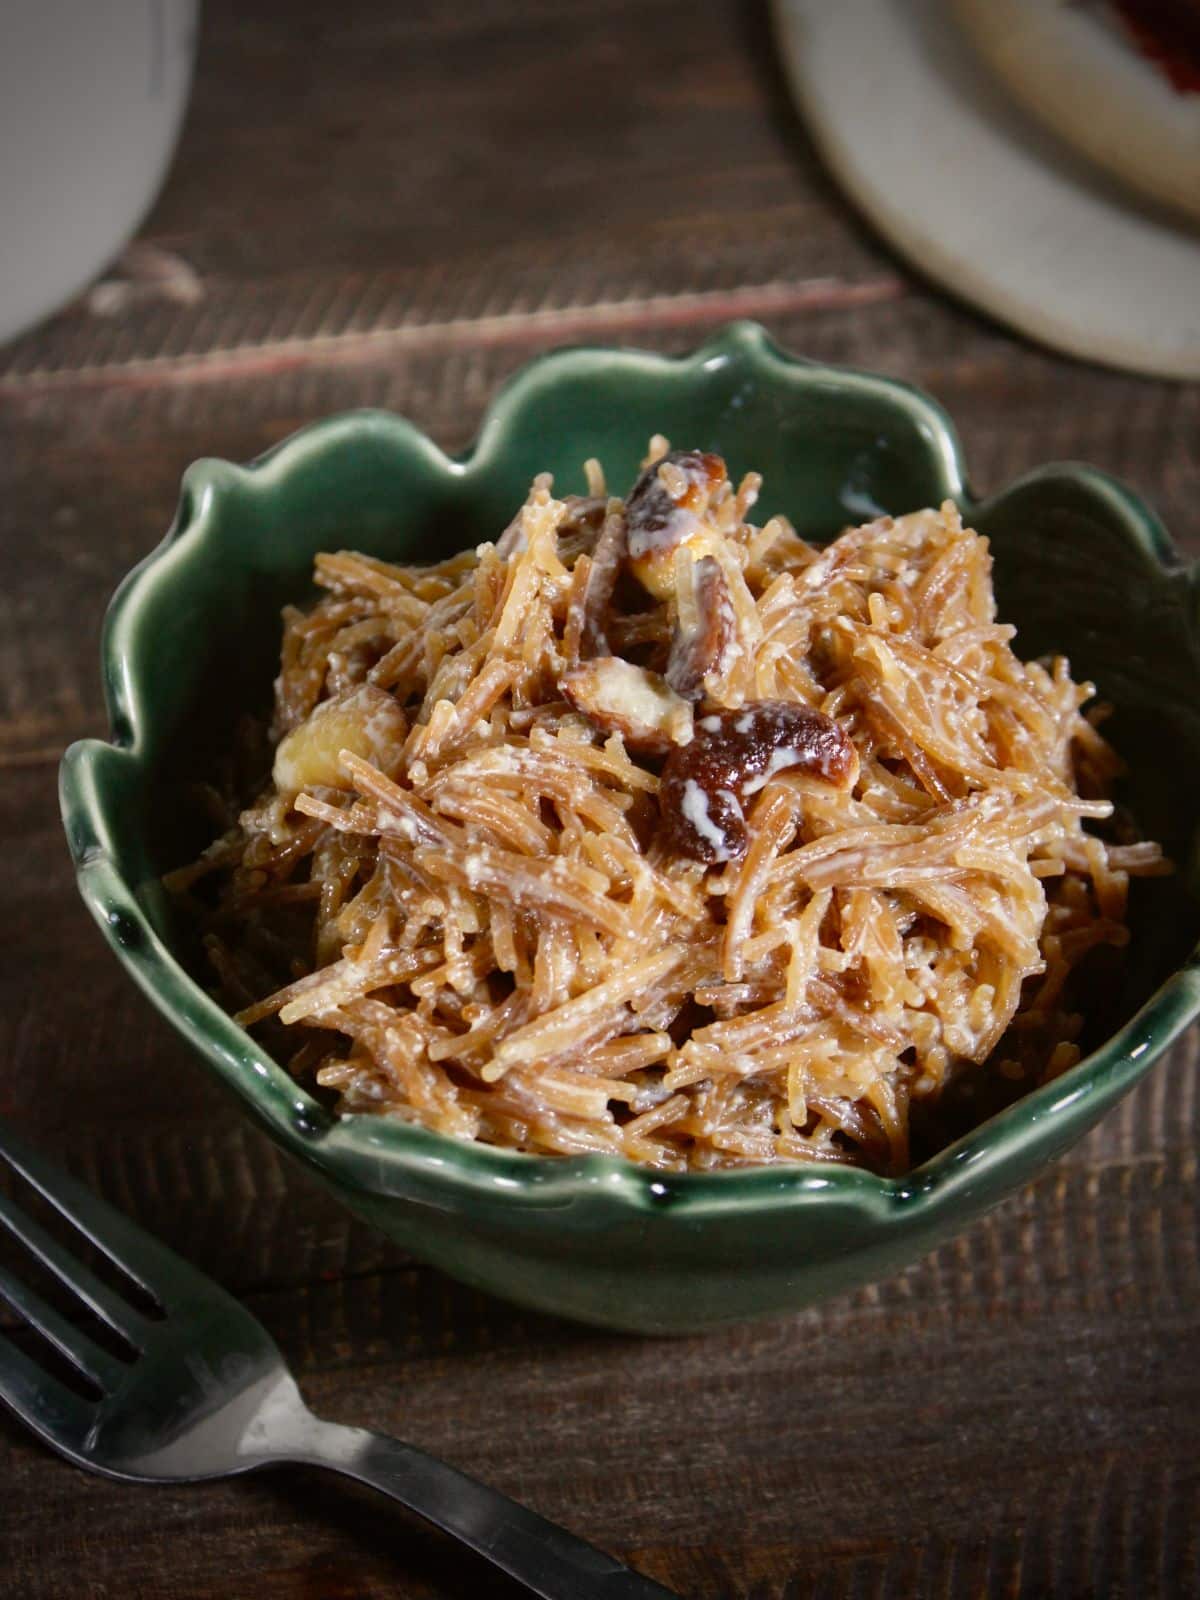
[
  {"x": 978, "y": 197},
  {"x": 1075, "y": 69},
  {"x": 92, "y": 95}
]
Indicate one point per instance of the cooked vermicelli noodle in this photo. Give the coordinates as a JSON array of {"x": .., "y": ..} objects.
[{"x": 651, "y": 831}]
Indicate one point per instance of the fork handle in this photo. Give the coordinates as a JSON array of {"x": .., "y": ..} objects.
[{"x": 546, "y": 1558}]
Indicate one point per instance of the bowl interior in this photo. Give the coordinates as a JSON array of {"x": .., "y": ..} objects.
[
  {"x": 194, "y": 641},
  {"x": 1074, "y": 581}
]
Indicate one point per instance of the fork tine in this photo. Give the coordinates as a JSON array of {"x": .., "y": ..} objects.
[
  {"x": 157, "y": 1270},
  {"x": 41, "y": 1401},
  {"x": 72, "y": 1274},
  {"x": 84, "y": 1354}
]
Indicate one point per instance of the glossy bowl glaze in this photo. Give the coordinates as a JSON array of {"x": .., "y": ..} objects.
[{"x": 191, "y": 641}]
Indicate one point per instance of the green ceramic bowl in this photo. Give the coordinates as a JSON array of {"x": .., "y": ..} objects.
[{"x": 191, "y": 640}]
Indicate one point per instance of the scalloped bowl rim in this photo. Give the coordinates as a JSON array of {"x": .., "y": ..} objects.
[{"x": 364, "y": 1151}]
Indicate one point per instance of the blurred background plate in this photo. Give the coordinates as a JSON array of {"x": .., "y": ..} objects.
[
  {"x": 92, "y": 97},
  {"x": 1078, "y": 70},
  {"x": 977, "y": 196}
]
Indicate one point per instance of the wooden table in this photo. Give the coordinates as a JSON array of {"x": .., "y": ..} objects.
[{"x": 380, "y": 204}]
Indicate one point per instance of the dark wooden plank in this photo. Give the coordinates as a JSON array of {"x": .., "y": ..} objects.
[
  {"x": 837, "y": 1444},
  {"x": 322, "y": 148}
]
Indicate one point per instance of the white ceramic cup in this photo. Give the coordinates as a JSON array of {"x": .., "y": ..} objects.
[{"x": 92, "y": 95}]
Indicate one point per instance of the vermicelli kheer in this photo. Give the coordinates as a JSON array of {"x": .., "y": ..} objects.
[{"x": 649, "y": 830}]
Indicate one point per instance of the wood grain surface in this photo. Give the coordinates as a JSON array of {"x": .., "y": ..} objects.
[{"x": 391, "y": 205}]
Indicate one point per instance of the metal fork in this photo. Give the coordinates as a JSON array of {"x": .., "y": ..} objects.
[{"x": 208, "y": 1395}]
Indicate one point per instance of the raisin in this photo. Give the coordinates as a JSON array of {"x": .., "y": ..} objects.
[
  {"x": 731, "y": 756},
  {"x": 706, "y": 650}
]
